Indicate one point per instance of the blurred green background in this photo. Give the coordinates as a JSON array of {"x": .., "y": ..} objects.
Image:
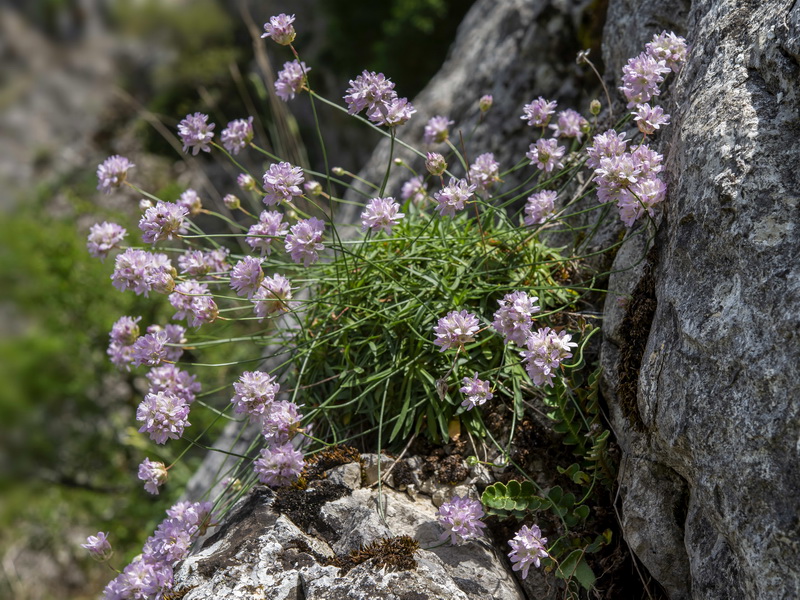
[{"x": 81, "y": 80}]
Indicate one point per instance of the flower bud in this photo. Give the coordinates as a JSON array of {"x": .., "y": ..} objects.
[
  {"x": 246, "y": 182},
  {"x": 231, "y": 202},
  {"x": 594, "y": 107},
  {"x": 485, "y": 103},
  {"x": 144, "y": 204},
  {"x": 313, "y": 188},
  {"x": 436, "y": 164},
  {"x": 337, "y": 171}
]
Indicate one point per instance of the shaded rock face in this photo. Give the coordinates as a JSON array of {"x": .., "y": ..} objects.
[
  {"x": 710, "y": 428},
  {"x": 280, "y": 547}
]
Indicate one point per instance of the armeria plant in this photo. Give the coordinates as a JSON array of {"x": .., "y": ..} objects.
[{"x": 440, "y": 301}]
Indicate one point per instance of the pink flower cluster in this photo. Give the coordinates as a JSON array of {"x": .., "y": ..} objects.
[{"x": 375, "y": 93}]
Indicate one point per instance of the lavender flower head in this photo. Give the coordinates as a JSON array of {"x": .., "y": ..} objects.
[
  {"x": 513, "y": 319},
  {"x": 641, "y": 78},
  {"x": 272, "y": 296},
  {"x": 303, "y": 241},
  {"x": 453, "y": 197},
  {"x": 196, "y": 133},
  {"x": 381, "y": 213},
  {"x": 437, "y": 130},
  {"x": 484, "y": 172},
  {"x": 461, "y": 519},
  {"x": 164, "y": 416},
  {"x": 280, "y": 29},
  {"x": 176, "y": 337},
  {"x": 527, "y": 548},
  {"x": 112, "y": 172},
  {"x": 639, "y": 198},
  {"x": 369, "y": 91},
  {"x": 455, "y": 330},
  {"x": 279, "y": 466},
  {"x": 280, "y": 422},
  {"x": 237, "y": 135},
  {"x": 476, "y": 390},
  {"x": 150, "y": 349},
  {"x": 546, "y": 154},
  {"x": 231, "y": 202},
  {"x": 415, "y": 190},
  {"x": 163, "y": 222},
  {"x": 98, "y": 546},
  {"x": 282, "y": 182},
  {"x": 198, "y": 263},
  {"x": 291, "y": 79},
  {"x": 154, "y": 475},
  {"x": 649, "y": 119},
  {"x": 261, "y": 235},
  {"x": 104, "y": 237},
  {"x": 140, "y": 580},
  {"x": 134, "y": 270},
  {"x": 255, "y": 391},
  {"x": 247, "y": 276},
  {"x": 668, "y": 47},
  {"x": 539, "y": 207},
  {"x": 546, "y": 351},
  {"x": 190, "y": 200},
  {"x": 184, "y": 295},
  {"x": 538, "y": 112},
  {"x": 570, "y": 124},
  {"x": 171, "y": 379},
  {"x": 605, "y": 145}
]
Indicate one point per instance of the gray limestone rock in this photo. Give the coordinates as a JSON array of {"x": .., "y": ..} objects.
[{"x": 701, "y": 367}]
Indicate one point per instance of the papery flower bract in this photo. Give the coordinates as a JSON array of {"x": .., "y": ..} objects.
[
  {"x": 104, "y": 237},
  {"x": 282, "y": 182},
  {"x": 164, "y": 416},
  {"x": 303, "y": 241},
  {"x": 527, "y": 548},
  {"x": 437, "y": 130},
  {"x": 246, "y": 276},
  {"x": 539, "y": 207},
  {"x": 461, "y": 519},
  {"x": 154, "y": 475},
  {"x": 453, "y": 197},
  {"x": 570, "y": 124},
  {"x": 414, "y": 189},
  {"x": 435, "y": 164},
  {"x": 280, "y": 29},
  {"x": 513, "y": 319},
  {"x": 546, "y": 350},
  {"x": 112, "y": 172},
  {"x": 261, "y": 235},
  {"x": 291, "y": 79},
  {"x": 546, "y": 154},
  {"x": 476, "y": 390},
  {"x": 279, "y": 422},
  {"x": 455, "y": 330},
  {"x": 279, "y": 466},
  {"x": 381, "y": 213},
  {"x": 169, "y": 378},
  {"x": 190, "y": 200},
  {"x": 484, "y": 172},
  {"x": 196, "y": 133},
  {"x": 272, "y": 296},
  {"x": 668, "y": 47},
  {"x": 649, "y": 119},
  {"x": 538, "y": 112},
  {"x": 163, "y": 222},
  {"x": 255, "y": 391},
  {"x": 237, "y": 135},
  {"x": 98, "y": 546}
]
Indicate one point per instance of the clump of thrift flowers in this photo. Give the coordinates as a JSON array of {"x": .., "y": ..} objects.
[
  {"x": 455, "y": 330},
  {"x": 279, "y": 466},
  {"x": 112, "y": 172},
  {"x": 381, "y": 214},
  {"x": 196, "y": 133}
]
